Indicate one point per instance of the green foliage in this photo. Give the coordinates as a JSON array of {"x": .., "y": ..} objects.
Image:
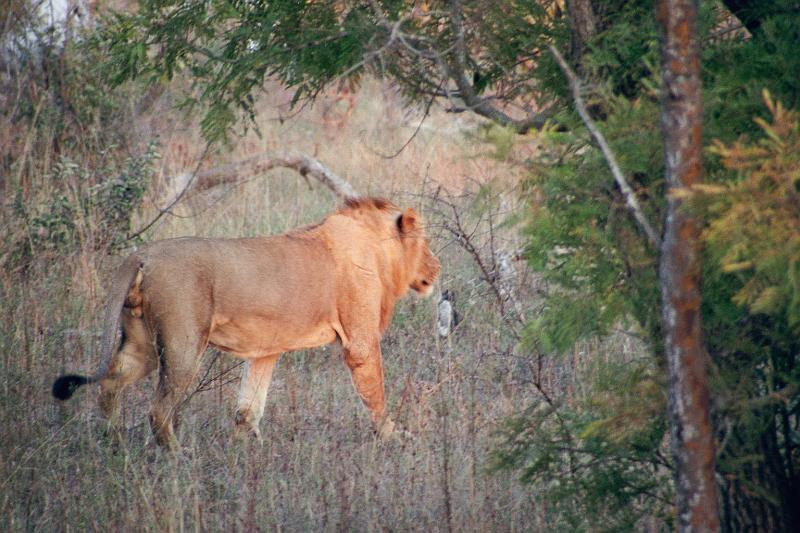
[
  {"x": 90, "y": 209},
  {"x": 750, "y": 304},
  {"x": 599, "y": 461},
  {"x": 502, "y": 139},
  {"x": 737, "y": 71},
  {"x": 603, "y": 275},
  {"x": 580, "y": 235},
  {"x": 622, "y": 55},
  {"x": 508, "y": 36},
  {"x": 71, "y": 182},
  {"x": 229, "y": 48},
  {"x": 57, "y": 89}
]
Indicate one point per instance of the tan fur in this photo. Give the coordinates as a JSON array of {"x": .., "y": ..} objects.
[{"x": 259, "y": 297}]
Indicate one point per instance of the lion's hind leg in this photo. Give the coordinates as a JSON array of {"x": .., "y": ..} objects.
[
  {"x": 181, "y": 350},
  {"x": 134, "y": 360}
]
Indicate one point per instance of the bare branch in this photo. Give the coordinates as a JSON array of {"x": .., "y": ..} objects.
[
  {"x": 630, "y": 196},
  {"x": 303, "y": 164},
  {"x": 491, "y": 274},
  {"x": 238, "y": 172},
  {"x": 421, "y": 47},
  {"x": 474, "y": 102}
]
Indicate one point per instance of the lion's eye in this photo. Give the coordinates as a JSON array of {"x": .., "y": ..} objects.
[{"x": 425, "y": 282}]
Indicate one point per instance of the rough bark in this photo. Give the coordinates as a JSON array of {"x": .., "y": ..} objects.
[
  {"x": 583, "y": 27},
  {"x": 679, "y": 272}
]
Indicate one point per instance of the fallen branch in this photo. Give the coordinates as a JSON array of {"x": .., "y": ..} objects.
[
  {"x": 630, "y": 196},
  {"x": 241, "y": 170}
]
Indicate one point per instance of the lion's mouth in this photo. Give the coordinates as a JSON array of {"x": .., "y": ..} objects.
[{"x": 423, "y": 289}]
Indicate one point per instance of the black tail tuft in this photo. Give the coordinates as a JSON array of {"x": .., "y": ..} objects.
[{"x": 66, "y": 385}]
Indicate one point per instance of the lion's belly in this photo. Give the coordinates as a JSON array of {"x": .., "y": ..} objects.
[{"x": 257, "y": 337}]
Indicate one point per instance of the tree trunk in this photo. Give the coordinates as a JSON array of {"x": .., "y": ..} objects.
[
  {"x": 583, "y": 27},
  {"x": 756, "y": 495},
  {"x": 679, "y": 272}
]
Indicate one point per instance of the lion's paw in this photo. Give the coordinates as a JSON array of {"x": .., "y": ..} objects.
[{"x": 388, "y": 431}]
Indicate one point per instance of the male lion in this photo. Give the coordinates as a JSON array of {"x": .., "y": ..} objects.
[{"x": 257, "y": 298}]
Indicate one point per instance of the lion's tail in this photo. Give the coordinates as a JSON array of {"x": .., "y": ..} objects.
[
  {"x": 65, "y": 386},
  {"x": 128, "y": 276}
]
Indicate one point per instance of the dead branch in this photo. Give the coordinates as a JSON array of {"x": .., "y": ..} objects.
[
  {"x": 239, "y": 171},
  {"x": 630, "y": 196},
  {"x": 491, "y": 273},
  {"x": 235, "y": 173}
]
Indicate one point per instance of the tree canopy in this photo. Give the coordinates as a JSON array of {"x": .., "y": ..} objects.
[{"x": 480, "y": 56}]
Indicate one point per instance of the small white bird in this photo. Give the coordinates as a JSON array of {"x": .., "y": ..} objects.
[{"x": 448, "y": 318}]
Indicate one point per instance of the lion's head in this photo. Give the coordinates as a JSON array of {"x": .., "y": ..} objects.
[
  {"x": 423, "y": 266},
  {"x": 415, "y": 267}
]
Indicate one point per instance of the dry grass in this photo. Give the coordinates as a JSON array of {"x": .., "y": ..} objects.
[{"x": 320, "y": 467}]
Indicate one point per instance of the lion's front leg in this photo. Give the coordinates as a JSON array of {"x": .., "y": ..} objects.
[
  {"x": 363, "y": 358},
  {"x": 253, "y": 394}
]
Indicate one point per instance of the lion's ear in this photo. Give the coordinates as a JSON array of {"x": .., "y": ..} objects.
[{"x": 407, "y": 222}]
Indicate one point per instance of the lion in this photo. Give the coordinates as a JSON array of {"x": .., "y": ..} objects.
[{"x": 257, "y": 298}]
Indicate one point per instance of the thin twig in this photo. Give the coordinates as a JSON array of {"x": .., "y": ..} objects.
[
  {"x": 465, "y": 238},
  {"x": 630, "y": 196},
  {"x": 413, "y": 135},
  {"x": 178, "y": 197}
]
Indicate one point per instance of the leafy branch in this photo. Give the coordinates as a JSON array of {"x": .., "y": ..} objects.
[{"x": 630, "y": 196}]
